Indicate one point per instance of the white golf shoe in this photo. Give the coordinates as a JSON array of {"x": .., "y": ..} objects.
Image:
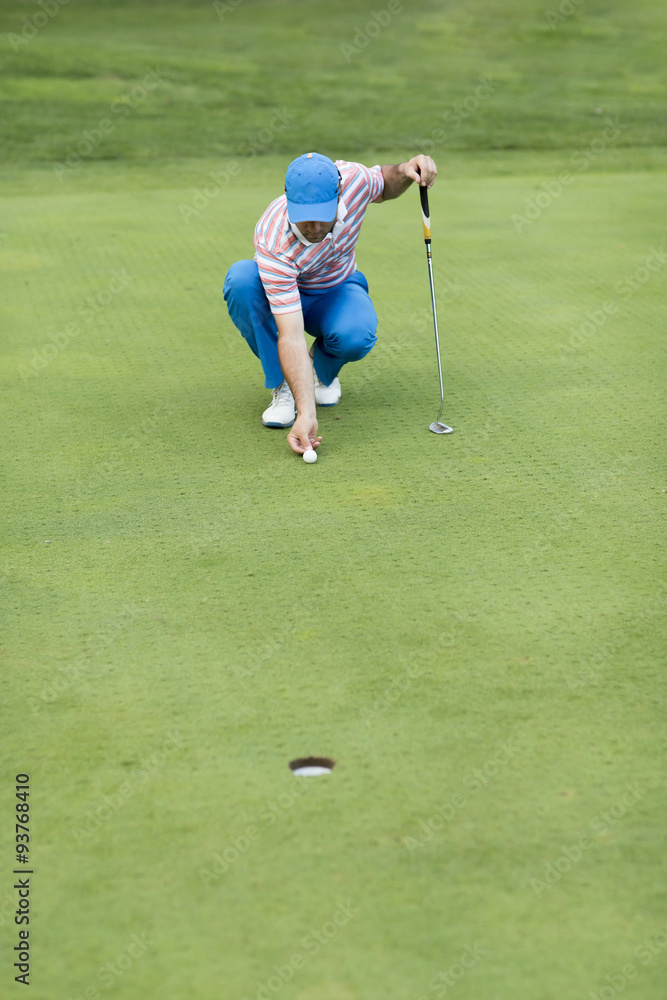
[
  {"x": 326, "y": 395},
  {"x": 282, "y": 412}
]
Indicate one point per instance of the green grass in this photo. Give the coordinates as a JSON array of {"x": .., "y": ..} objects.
[
  {"x": 221, "y": 79},
  {"x": 176, "y": 581}
]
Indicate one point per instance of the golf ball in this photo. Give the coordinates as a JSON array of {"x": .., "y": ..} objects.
[{"x": 310, "y": 456}]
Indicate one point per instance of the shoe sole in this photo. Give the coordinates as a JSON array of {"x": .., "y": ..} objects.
[
  {"x": 329, "y": 404},
  {"x": 278, "y": 425}
]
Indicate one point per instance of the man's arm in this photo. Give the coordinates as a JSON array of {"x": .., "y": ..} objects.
[
  {"x": 298, "y": 371},
  {"x": 398, "y": 179}
]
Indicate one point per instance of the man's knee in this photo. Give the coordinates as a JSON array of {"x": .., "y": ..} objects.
[
  {"x": 242, "y": 277},
  {"x": 358, "y": 343}
]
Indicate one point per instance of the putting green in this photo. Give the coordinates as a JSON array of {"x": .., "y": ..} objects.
[{"x": 471, "y": 626}]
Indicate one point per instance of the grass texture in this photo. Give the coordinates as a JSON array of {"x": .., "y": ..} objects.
[{"x": 472, "y": 626}]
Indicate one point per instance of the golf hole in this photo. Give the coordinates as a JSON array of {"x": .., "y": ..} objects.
[{"x": 310, "y": 767}]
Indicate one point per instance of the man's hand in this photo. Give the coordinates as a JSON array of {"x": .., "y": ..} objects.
[
  {"x": 298, "y": 370},
  {"x": 421, "y": 169},
  {"x": 397, "y": 179},
  {"x": 303, "y": 434}
]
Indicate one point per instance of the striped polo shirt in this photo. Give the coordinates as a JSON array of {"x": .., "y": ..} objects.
[{"x": 287, "y": 262}]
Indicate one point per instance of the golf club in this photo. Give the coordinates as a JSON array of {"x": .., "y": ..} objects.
[{"x": 437, "y": 427}]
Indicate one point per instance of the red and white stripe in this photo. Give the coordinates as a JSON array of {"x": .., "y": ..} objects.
[{"x": 286, "y": 265}]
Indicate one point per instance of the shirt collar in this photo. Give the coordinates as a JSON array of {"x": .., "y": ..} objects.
[{"x": 340, "y": 219}]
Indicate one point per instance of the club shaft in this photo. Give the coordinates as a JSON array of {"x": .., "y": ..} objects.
[
  {"x": 437, "y": 427},
  {"x": 435, "y": 327}
]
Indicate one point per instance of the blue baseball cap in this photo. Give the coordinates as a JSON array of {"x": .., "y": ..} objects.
[{"x": 311, "y": 186}]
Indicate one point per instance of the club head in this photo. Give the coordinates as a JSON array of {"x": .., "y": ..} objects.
[{"x": 439, "y": 428}]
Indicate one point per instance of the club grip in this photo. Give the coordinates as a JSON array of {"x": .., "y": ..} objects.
[{"x": 426, "y": 215}]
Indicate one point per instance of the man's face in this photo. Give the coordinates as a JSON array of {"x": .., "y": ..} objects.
[{"x": 316, "y": 231}]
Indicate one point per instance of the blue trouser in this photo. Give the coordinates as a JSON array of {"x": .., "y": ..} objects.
[{"x": 342, "y": 320}]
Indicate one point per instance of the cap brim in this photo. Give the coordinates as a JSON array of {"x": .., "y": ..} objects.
[{"x": 325, "y": 211}]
